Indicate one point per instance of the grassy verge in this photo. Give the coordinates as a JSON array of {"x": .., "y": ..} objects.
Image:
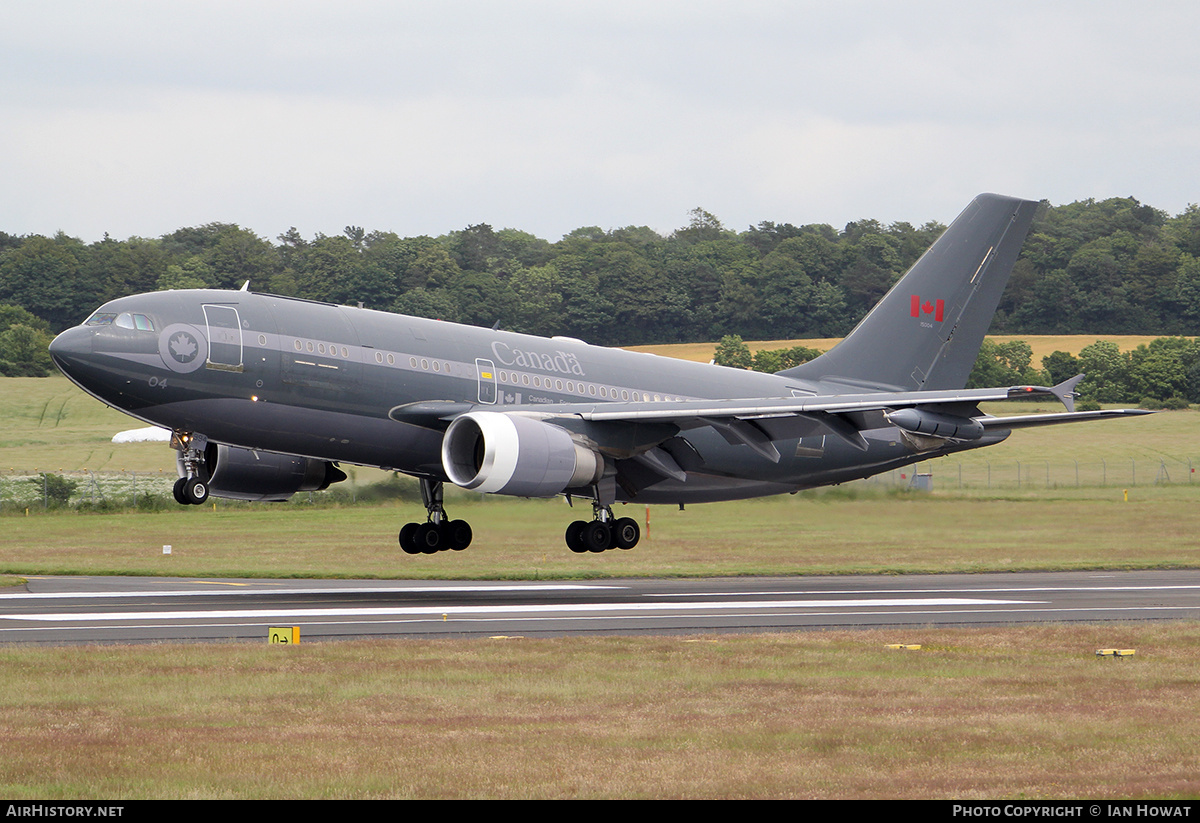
[
  {"x": 976, "y": 714},
  {"x": 857, "y": 530}
]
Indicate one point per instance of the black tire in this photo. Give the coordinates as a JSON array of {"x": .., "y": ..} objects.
[
  {"x": 195, "y": 490},
  {"x": 626, "y": 533},
  {"x": 408, "y": 538},
  {"x": 597, "y": 536},
  {"x": 575, "y": 537},
  {"x": 458, "y": 534},
  {"x": 180, "y": 497},
  {"x": 428, "y": 539}
]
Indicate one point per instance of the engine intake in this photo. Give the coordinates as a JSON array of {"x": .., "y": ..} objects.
[
  {"x": 510, "y": 454},
  {"x": 245, "y": 474}
]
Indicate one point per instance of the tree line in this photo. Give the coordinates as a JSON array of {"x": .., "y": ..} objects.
[
  {"x": 1162, "y": 374},
  {"x": 1097, "y": 267}
]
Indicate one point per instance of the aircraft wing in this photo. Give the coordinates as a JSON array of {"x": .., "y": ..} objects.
[
  {"x": 1028, "y": 421},
  {"x": 781, "y": 406},
  {"x": 758, "y": 422},
  {"x": 439, "y": 413},
  {"x": 948, "y": 414}
]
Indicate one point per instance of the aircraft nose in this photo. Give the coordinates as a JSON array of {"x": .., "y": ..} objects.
[{"x": 71, "y": 348}]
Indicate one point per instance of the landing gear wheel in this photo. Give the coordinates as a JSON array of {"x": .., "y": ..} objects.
[
  {"x": 195, "y": 490},
  {"x": 626, "y": 533},
  {"x": 438, "y": 533},
  {"x": 597, "y": 536},
  {"x": 408, "y": 538},
  {"x": 428, "y": 538},
  {"x": 457, "y": 534},
  {"x": 180, "y": 497},
  {"x": 575, "y": 537}
]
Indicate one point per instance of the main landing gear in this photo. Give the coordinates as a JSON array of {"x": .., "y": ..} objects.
[
  {"x": 438, "y": 533},
  {"x": 603, "y": 533}
]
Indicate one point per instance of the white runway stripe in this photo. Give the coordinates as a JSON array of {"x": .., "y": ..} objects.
[
  {"x": 300, "y": 614},
  {"x": 259, "y": 589}
]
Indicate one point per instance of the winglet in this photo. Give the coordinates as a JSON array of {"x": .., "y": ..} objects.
[{"x": 1065, "y": 392}]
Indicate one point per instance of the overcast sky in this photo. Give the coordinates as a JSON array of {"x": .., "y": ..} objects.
[{"x": 138, "y": 118}]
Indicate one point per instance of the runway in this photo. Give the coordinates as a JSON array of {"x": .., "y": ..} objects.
[{"x": 70, "y": 610}]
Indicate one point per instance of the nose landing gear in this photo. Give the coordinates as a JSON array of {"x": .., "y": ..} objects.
[
  {"x": 192, "y": 488},
  {"x": 190, "y": 491}
]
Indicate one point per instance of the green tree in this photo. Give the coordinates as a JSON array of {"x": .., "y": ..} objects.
[
  {"x": 192, "y": 273},
  {"x": 539, "y": 300},
  {"x": 24, "y": 352},
  {"x": 1106, "y": 372},
  {"x": 1161, "y": 370},
  {"x": 56, "y": 488},
  {"x": 733, "y": 352},
  {"x": 45, "y": 276},
  {"x": 1060, "y": 366},
  {"x": 1003, "y": 364}
]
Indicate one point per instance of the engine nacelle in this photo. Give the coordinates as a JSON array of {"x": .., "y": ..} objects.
[
  {"x": 510, "y": 454},
  {"x": 245, "y": 474},
  {"x": 936, "y": 424}
]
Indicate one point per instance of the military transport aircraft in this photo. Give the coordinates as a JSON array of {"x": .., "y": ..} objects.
[{"x": 266, "y": 394}]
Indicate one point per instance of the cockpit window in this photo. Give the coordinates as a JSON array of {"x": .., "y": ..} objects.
[
  {"x": 133, "y": 321},
  {"x": 101, "y": 318}
]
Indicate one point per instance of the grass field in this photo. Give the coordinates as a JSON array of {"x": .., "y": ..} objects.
[
  {"x": 1115, "y": 494},
  {"x": 864, "y": 532},
  {"x": 976, "y": 714}
]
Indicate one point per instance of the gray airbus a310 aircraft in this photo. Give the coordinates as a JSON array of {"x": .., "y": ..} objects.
[{"x": 266, "y": 394}]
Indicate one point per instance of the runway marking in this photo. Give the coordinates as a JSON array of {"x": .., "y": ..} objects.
[
  {"x": 384, "y": 611},
  {"x": 641, "y": 617},
  {"x": 1003, "y": 590},
  {"x": 514, "y": 587}
]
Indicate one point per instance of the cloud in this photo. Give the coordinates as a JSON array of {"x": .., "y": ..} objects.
[{"x": 141, "y": 117}]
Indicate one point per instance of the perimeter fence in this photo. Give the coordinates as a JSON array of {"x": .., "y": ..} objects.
[
  {"x": 948, "y": 474},
  {"x": 152, "y": 490}
]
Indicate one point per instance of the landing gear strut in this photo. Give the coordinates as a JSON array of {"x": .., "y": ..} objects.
[
  {"x": 602, "y": 533},
  {"x": 438, "y": 533}
]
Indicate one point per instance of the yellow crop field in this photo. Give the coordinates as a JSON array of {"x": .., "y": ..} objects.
[{"x": 1042, "y": 345}]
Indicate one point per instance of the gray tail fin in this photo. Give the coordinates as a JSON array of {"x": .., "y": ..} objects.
[{"x": 926, "y": 332}]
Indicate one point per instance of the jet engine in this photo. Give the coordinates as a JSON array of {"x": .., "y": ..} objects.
[
  {"x": 510, "y": 454},
  {"x": 246, "y": 474}
]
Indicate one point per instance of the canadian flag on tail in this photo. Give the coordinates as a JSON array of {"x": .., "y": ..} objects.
[{"x": 936, "y": 308}]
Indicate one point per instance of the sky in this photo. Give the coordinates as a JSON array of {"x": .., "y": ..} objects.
[{"x": 137, "y": 118}]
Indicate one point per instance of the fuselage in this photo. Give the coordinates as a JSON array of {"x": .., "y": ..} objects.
[{"x": 331, "y": 382}]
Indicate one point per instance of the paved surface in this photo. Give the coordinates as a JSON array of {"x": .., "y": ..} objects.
[{"x": 135, "y": 610}]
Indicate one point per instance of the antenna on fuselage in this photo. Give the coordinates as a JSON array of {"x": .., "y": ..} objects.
[{"x": 245, "y": 286}]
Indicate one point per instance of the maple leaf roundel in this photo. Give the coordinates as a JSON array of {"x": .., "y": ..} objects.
[{"x": 182, "y": 347}]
